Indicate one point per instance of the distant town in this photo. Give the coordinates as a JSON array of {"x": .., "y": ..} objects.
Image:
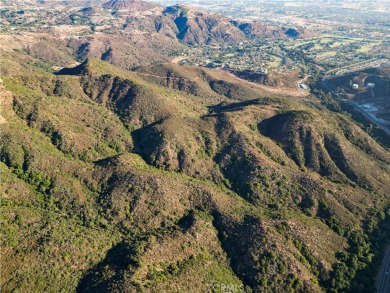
[{"x": 325, "y": 53}]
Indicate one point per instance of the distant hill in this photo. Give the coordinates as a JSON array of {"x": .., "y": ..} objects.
[
  {"x": 255, "y": 30},
  {"x": 187, "y": 25},
  {"x": 194, "y": 27},
  {"x": 133, "y": 5}
]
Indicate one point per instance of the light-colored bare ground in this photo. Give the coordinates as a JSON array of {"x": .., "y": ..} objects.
[
  {"x": 176, "y": 60},
  {"x": 281, "y": 91}
]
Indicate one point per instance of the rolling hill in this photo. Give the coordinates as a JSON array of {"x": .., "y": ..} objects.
[
  {"x": 123, "y": 172},
  {"x": 116, "y": 181}
]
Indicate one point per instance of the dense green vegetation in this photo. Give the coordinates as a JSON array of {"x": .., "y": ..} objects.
[{"x": 111, "y": 182}]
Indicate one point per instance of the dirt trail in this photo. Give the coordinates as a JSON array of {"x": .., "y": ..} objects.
[
  {"x": 279, "y": 91},
  {"x": 283, "y": 91}
]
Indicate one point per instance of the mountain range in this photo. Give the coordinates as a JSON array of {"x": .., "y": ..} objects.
[
  {"x": 169, "y": 178},
  {"x": 195, "y": 27}
]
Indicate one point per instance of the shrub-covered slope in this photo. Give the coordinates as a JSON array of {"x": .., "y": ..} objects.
[{"x": 112, "y": 181}]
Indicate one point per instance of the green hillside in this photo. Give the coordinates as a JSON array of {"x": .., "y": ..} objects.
[{"x": 114, "y": 181}]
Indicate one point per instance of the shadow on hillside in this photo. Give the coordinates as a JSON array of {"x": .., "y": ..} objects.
[
  {"x": 146, "y": 138},
  {"x": 78, "y": 70},
  {"x": 233, "y": 107},
  {"x": 234, "y": 242},
  {"x": 107, "y": 274}
]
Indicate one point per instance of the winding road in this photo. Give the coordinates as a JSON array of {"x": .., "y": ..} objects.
[{"x": 383, "y": 283}]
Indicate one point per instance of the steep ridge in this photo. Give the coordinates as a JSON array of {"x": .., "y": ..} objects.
[
  {"x": 268, "y": 193},
  {"x": 129, "y": 33},
  {"x": 200, "y": 82},
  {"x": 319, "y": 149},
  {"x": 132, "y": 5},
  {"x": 194, "y": 27},
  {"x": 255, "y": 30}
]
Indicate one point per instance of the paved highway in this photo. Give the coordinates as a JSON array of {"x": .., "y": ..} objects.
[{"x": 383, "y": 283}]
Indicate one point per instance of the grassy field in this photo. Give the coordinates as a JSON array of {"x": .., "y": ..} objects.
[
  {"x": 317, "y": 47},
  {"x": 368, "y": 47},
  {"x": 327, "y": 54},
  {"x": 276, "y": 61},
  {"x": 326, "y": 40}
]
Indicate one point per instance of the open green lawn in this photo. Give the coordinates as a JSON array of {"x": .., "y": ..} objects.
[
  {"x": 327, "y": 54},
  {"x": 368, "y": 47},
  {"x": 275, "y": 61},
  {"x": 326, "y": 40},
  {"x": 336, "y": 44}
]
